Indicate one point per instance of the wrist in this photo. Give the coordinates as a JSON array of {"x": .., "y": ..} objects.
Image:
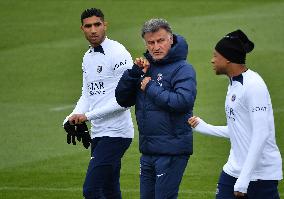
[{"x": 136, "y": 71}]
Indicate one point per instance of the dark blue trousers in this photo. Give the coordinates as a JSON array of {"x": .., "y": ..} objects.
[
  {"x": 160, "y": 176},
  {"x": 260, "y": 189},
  {"x": 102, "y": 178}
]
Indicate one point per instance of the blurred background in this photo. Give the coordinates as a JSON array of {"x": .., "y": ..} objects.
[{"x": 41, "y": 49}]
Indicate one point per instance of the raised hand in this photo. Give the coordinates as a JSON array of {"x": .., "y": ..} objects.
[{"x": 142, "y": 63}]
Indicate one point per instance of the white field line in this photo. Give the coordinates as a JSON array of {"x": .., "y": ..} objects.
[
  {"x": 280, "y": 110},
  {"x": 75, "y": 189},
  {"x": 61, "y": 108},
  {"x": 38, "y": 189}
]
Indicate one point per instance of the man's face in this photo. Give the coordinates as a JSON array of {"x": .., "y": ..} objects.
[
  {"x": 220, "y": 63},
  {"x": 158, "y": 43},
  {"x": 94, "y": 29}
]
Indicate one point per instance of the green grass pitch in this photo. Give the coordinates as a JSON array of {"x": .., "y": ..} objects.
[{"x": 41, "y": 48}]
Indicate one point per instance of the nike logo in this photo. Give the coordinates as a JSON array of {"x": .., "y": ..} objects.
[{"x": 159, "y": 175}]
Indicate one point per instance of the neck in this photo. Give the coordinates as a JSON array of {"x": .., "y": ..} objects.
[
  {"x": 96, "y": 45},
  {"x": 236, "y": 69}
]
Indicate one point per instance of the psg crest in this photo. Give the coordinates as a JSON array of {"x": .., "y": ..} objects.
[
  {"x": 99, "y": 69},
  {"x": 159, "y": 78},
  {"x": 233, "y": 97}
]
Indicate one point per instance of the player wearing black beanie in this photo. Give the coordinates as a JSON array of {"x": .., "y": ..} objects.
[{"x": 255, "y": 160}]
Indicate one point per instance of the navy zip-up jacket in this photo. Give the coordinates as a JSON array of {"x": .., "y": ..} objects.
[{"x": 162, "y": 110}]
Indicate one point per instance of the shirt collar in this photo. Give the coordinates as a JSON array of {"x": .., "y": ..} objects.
[
  {"x": 97, "y": 49},
  {"x": 238, "y": 78}
]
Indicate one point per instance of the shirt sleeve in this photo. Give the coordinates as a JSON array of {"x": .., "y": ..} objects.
[
  {"x": 208, "y": 129},
  {"x": 111, "y": 107},
  {"x": 258, "y": 102},
  {"x": 121, "y": 62},
  {"x": 82, "y": 105}
]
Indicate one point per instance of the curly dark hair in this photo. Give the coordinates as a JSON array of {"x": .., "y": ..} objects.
[{"x": 92, "y": 12}]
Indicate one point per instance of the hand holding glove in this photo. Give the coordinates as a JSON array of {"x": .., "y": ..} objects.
[
  {"x": 79, "y": 131},
  {"x": 83, "y": 134}
]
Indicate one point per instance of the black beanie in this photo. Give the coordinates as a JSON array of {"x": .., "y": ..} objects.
[{"x": 234, "y": 47}]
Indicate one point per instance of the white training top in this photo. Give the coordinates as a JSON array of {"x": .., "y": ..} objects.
[
  {"x": 102, "y": 68},
  {"x": 254, "y": 154}
]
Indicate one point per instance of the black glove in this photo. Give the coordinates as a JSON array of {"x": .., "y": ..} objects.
[
  {"x": 79, "y": 131},
  {"x": 83, "y": 134},
  {"x": 71, "y": 133}
]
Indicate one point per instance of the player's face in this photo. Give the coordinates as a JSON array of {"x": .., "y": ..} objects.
[
  {"x": 220, "y": 63},
  {"x": 158, "y": 43},
  {"x": 94, "y": 29}
]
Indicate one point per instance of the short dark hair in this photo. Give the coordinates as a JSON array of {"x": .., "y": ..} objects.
[
  {"x": 153, "y": 25},
  {"x": 92, "y": 12}
]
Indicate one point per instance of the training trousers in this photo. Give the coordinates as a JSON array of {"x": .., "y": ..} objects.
[
  {"x": 102, "y": 178},
  {"x": 160, "y": 176},
  {"x": 260, "y": 189}
]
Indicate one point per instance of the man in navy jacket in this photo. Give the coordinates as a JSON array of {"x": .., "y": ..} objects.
[{"x": 163, "y": 89}]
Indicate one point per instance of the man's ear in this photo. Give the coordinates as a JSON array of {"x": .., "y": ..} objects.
[
  {"x": 105, "y": 25},
  {"x": 172, "y": 39}
]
